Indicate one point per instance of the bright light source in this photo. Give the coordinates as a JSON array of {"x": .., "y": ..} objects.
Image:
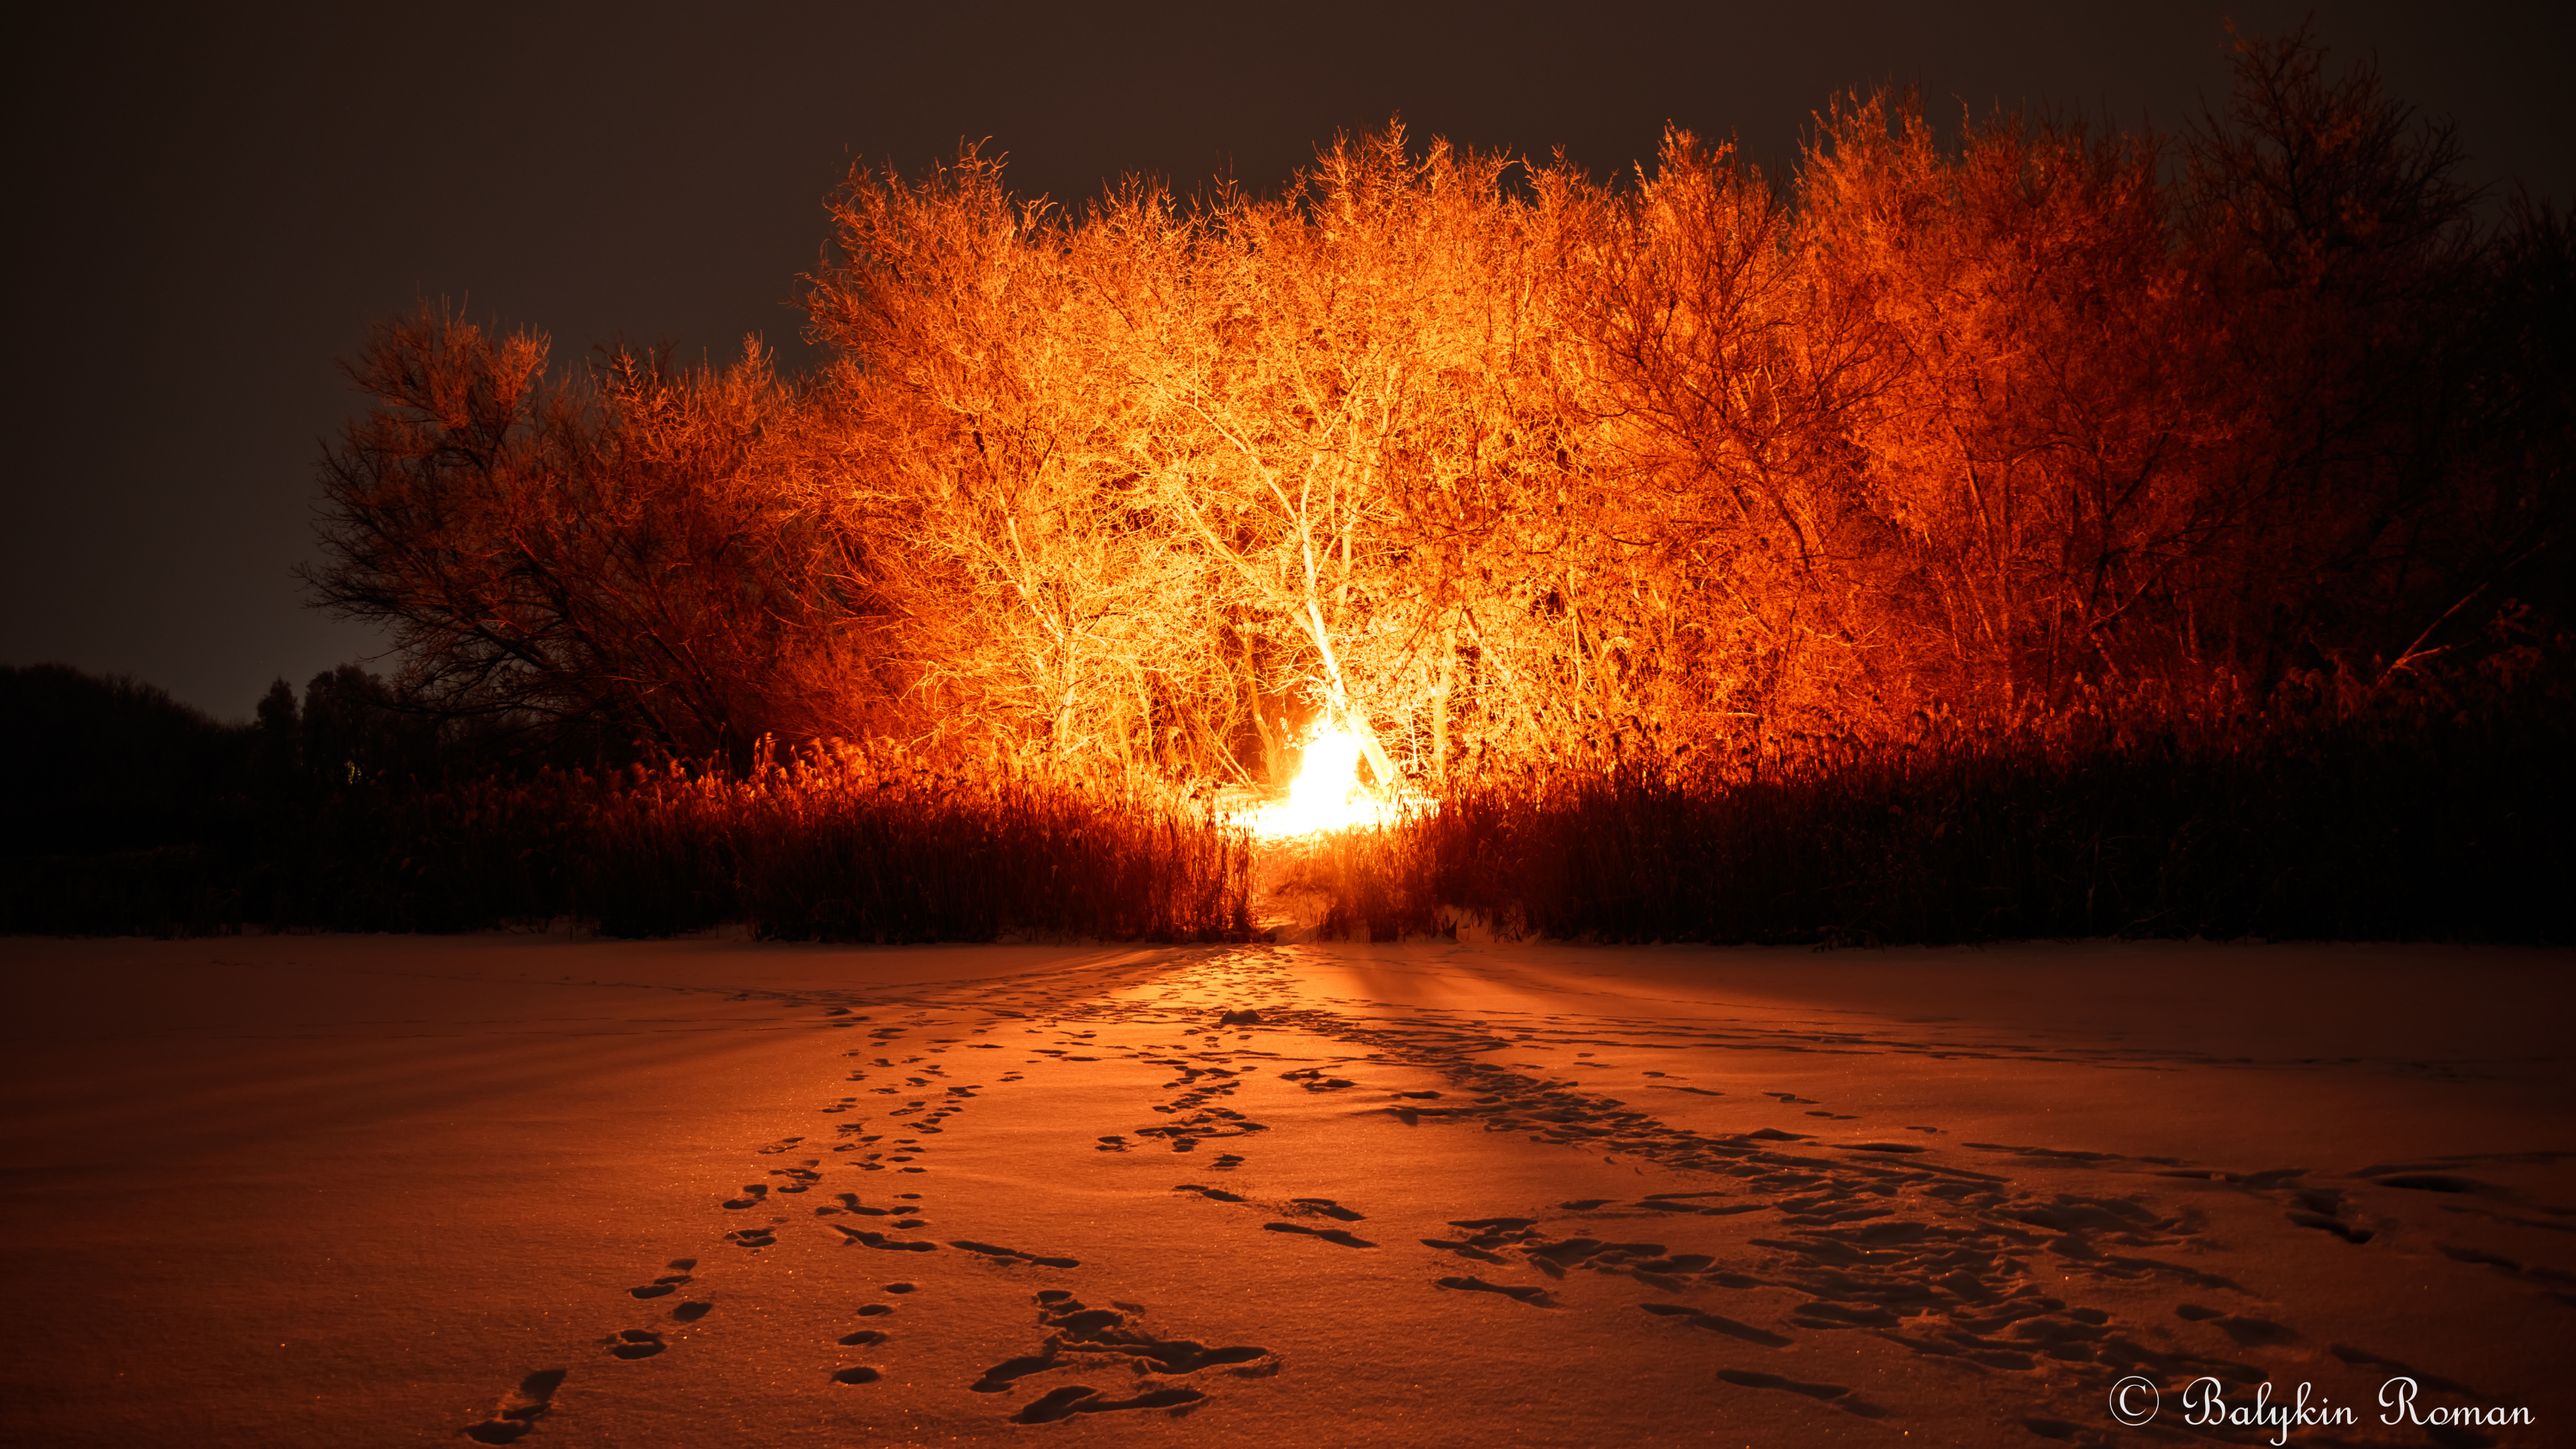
[{"x": 1327, "y": 794}]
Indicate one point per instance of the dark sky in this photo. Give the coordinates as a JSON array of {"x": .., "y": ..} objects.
[{"x": 211, "y": 207}]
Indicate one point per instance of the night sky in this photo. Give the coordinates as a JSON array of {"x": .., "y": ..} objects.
[{"x": 210, "y": 207}]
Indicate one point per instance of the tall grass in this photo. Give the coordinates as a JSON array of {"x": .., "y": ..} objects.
[
  {"x": 835, "y": 845},
  {"x": 2375, "y": 827},
  {"x": 2327, "y": 810}
]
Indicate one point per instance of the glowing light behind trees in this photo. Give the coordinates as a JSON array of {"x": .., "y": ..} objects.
[{"x": 1327, "y": 794}]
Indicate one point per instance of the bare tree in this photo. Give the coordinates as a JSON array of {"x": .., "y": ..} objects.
[{"x": 628, "y": 548}]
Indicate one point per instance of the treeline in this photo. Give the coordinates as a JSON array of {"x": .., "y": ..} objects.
[
  {"x": 114, "y": 764},
  {"x": 1515, "y": 467}
]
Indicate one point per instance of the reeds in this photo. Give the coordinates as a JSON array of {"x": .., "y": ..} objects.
[
  {"x": 2370, "y": 828},
  {"x": 2335, "y": 808},
  {"x": 834, "y": 845}
]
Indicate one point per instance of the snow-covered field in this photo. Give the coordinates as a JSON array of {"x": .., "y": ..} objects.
[{"x": 338, "y": 1191}]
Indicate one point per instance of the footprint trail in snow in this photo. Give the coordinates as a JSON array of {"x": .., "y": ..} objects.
[{"x": 1819, "y": 1258}]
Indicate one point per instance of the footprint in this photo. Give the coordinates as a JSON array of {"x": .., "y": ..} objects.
[
  {"x": 2434, "y": 1382},
  {"x": 1074, "y": 1399},
  {"x": 754, "y": 1237},
  {"x": 1330, "y": 1208},
  {"x": 881, "y": 1242},
  {"x": 1826, "y": 1313},
  {"x": 518, "y": 1412},
  {"x": 1835, "y": 1394},
  {"x": 2438, "y": 1182},
  {"x": 860, "y": 1374},
  {"x": 2319, "y": 1208},
  {"x": 2553, "y": 1283},
  {"x": 660, "y": 1287},
  {"x": 862, "y": 1338},
  {"x": 1330, "y": 1235},
  {"x": 1002, "y": 1375},
  {"x": 2336, "y": 1226},
  {"x": 691, "y": 1312},
  {"x": 637, "y": 1343},
  {"x": 754, "y": 1194},
  {"x": 2255, "y": 1331},
  {"x": 1085, "y": 1336},
  {"x": 1715, "y": 1324},
  {"x": 1216, "y": 1194},
  {"x": 987, "y": 1250},
  {"x": 1536, "y": 1297}
]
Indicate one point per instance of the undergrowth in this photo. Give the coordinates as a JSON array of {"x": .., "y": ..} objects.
[
  {"x": 2411, "y": 821},
  {"x": 836, "y": 845},
  {"x": 2433, "y": 811}
]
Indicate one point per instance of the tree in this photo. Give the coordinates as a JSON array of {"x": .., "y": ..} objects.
[
  {"x": 640, "y": 548},
  {"x": 1037, "y": 599},
  {"x": 2340, "y": 258}
]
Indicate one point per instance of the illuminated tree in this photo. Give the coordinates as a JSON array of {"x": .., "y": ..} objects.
[
  {"x": 1041, "y": 599},
  {"x": 1360, "y": 410},
  {"x": 2045, "y": 427},
  {"x": 1724, "y": 371}
]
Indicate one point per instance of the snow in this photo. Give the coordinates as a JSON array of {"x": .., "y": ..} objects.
[{"x": 315, "y": 1190}]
